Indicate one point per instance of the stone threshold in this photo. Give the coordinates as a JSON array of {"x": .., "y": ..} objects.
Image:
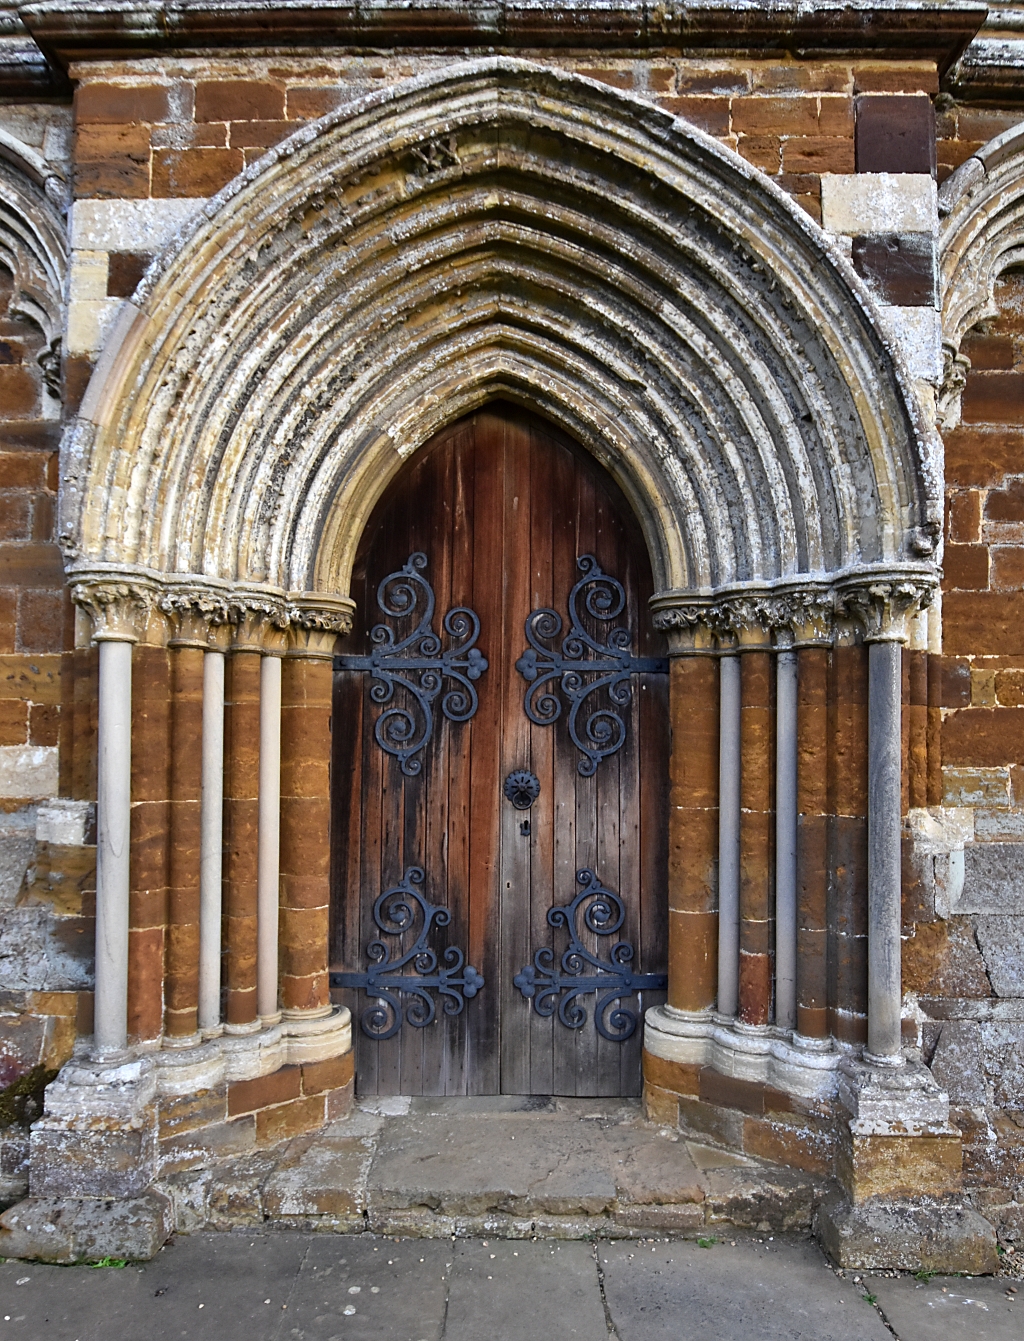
[{"x": 507, "y": 1167}]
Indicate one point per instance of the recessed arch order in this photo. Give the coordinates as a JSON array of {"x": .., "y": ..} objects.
[{"x": 499, "y": 229}]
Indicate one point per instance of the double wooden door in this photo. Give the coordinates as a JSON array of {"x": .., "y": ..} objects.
[{"x": 500, "y": 736}]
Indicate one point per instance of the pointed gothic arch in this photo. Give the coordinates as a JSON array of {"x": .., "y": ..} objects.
[{"x": 499, "y": 229}]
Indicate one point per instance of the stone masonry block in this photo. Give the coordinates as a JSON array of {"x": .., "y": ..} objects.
[
  {"x": 895, "y": 134},
  {"x": 245, "y": 1096},
  {"x": 112, "y": 104},
  {"x": 65, "y": 1230},
  {"x": 899, "y": 267},
  {"x": 290, "y": 1119},
  {"x": 331, "y": 1074},
  {"x": 95, "y": 1160},
  {"x": 993, "y": 879},
  {"x": 907, "y": 1237},
  {"x": 863, "y": 203},
  {"x": 918, "y": 333}
]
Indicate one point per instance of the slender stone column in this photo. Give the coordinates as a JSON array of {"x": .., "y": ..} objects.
[
  {"x": 241, "y": 826},
  {"x": 755, "y": 978},
  {"x": 785, "y": 837},
  {"x": 118, "y": 611},
  {"x": 812, "y": 841},
  {"x": 693, "y": 829},
  {"x": 884, "y": 878},
  {"x": 150, "y": 854},
  {"x": 306, "y": 692},
  {"x": 729, "y": 835},
  {"x": 181, "y": 989},
  {"x": 211, "y": 841},
  {"x": 268, "y": 861},
  {"x": 113, "y": 846}
]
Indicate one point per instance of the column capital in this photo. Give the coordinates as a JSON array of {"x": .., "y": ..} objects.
[
  {"x": 195, "y": 613},
  {"x": 883, "y": 604},
  {"x": 315, "y": 622},
  {"x": 790, "y": 615},
  {"x": 119, "y": 606},
  {"x": 259, "y": 621}
]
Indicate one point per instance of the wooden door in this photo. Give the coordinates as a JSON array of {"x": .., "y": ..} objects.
[{"x": 500, "y": 517}]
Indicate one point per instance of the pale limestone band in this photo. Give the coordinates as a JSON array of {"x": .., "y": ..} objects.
[{"x": 121, "y": 606}]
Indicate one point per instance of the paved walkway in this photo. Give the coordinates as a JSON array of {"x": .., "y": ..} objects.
[{"x": 286, "y": 1286}]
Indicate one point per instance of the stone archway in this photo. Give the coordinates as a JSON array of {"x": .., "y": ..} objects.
[{"x": 501, "y": 230}]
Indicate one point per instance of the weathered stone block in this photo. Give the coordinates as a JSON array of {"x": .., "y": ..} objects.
[
  {"x": 245, "y": 1096},
  {"x": 926, "y": 1236},
  {"x": 65, "y": 1230},
  {"x": 993, "y": 879},
  {"x": 661, "y": 1105},
  {"x": 956, "y": 1062},
  {"x": 1002, "y": 947},
  {"x": 289, "y": 1119},
  {"x": 895, "y": 133},
  {"x": 898, "y": 1166},
  {"x": 861, "y": 203},
  {"x": 97, "y": 1158},
  {"x": 687, "y": 1218}
]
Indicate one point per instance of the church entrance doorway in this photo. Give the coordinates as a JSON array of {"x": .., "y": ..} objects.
[{"x": 500, "y": 775}]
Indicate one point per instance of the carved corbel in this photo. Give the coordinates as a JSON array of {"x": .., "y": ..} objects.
[
  {"x": 119, "y": 608},
  {"x": 955, "y": 367},
  {"x": 883, "y": 607},
  {"x": 316, "y": 621}
]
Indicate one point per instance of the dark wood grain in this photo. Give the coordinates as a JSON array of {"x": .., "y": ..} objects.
[{"x": 503, "y": 505}]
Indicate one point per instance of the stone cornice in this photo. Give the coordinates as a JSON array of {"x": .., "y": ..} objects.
[
  {"x": 797, "y": 613},
  {"x": 66, "y": 29}
]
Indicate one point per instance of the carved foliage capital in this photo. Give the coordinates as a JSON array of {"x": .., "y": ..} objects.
[
  {"x": 119, "y": 609},
  {"x": 316, "y": 622},
  {"x": 747, "y": 618},
  {"x": 193, "y": 613},
  {"x": 884, "y": 607}
]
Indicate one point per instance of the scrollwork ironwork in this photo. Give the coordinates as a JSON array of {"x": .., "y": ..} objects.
[
  {"x": 543, "y": 984},
  {"x": 417, "y": 664},
  {"x": 580, "y": 657},
  {"x": 396, "y": 912}
]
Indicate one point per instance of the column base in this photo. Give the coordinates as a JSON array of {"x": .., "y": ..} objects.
[
  {"x": 114, "y": 1128},
  {"x": 906, "y": 1235},
  {"x": 896, "y": 1139}
]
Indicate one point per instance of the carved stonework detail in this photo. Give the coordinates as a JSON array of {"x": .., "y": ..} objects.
[
  {"x": 119, "y": 609},
  {"x": 316, "y": 622},
  {"x": 955, "y": 368},
  {"x": 436, "y": 155},
  {"x": 884, "y": 608},
  {"x": 193, "y": 614},
  {"x": 33, "y": 247},
  {"x": 260, "y": 621}
]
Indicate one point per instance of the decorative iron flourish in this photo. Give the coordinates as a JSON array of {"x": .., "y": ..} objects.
[
  {"x": 417, "y": 664},
  {"x": 542, "y": 983},
  {"x": 396, "y": 912},
  {"x": 582, "y": 656}
]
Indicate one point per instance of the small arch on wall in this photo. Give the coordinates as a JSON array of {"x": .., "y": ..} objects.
[{"x": 981, "y": 237}]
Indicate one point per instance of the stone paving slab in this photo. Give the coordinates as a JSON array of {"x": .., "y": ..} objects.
[
  {"x": 774, "y": 1291},
  {"x": 947, "y": 1307},
  {"x": 289, "y": 1286}
]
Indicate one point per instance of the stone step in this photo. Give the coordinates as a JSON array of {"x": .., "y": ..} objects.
[{"x": 506, "y": 1167}]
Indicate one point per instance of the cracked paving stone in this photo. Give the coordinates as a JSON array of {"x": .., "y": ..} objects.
[{"x": 780, "y": 1291}]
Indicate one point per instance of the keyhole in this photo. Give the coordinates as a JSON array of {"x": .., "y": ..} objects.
[{"x": 524, "y": 828}]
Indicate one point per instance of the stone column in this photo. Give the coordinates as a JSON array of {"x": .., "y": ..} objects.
[
  {"x": 241, "y": 820},
  {"x": 813, "y": 655},
  {"x": 306, "y": 692},
  {"x": 193, "y": 616},
  {"x": 211, "y": 843},
  {"x": 729, "y": 775},
  {"x": 268, "y": 856},
  {"x": 885, "y": 993},
  {"x": 151, "y": 834},
  {"x": 693, "y": 824},
  {"x": 756, "y": 827},
  {"x": 786, "y": 729},
  {"x": 118, "y": 611}
]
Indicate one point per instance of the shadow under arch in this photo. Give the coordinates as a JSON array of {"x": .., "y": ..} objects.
[{"x": 499, "y": 229}]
